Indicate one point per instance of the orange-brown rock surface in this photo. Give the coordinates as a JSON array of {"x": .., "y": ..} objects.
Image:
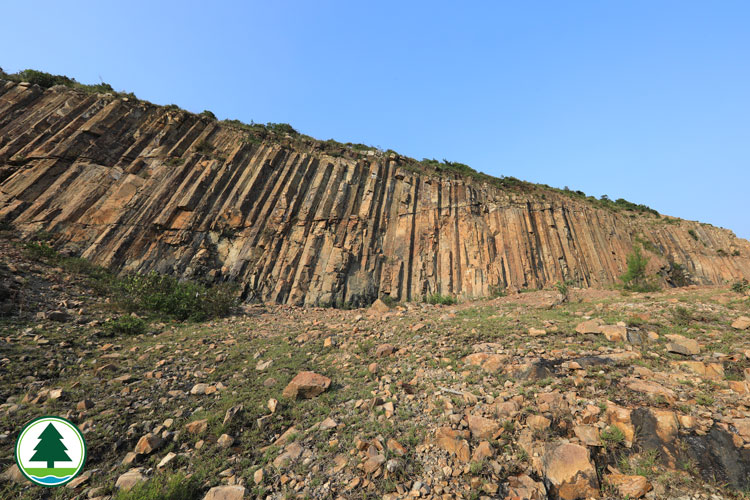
[{"x": 140, "y": 187}]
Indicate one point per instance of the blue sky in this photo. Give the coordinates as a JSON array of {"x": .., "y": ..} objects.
[{"x": 645, "y": 100}]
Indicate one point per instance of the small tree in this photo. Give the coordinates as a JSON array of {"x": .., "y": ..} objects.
[
  {"x": 635, "y": 277},
  {"x": 50, "y": 448}
]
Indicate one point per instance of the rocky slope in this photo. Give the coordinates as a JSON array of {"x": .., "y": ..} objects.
[
  {"x": 605, "y": 396},
  {"x": 139, "y": 187}
]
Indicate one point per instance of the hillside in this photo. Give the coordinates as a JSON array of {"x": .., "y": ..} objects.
[
  {"x": 605, "y": 396},
  {"x": 138, "y": 187}
]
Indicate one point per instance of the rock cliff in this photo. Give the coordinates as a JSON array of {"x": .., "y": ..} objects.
[{"x": 139, "y": 187}]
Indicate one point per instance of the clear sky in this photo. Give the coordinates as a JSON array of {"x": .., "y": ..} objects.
[{"x": 644, "y": 100}]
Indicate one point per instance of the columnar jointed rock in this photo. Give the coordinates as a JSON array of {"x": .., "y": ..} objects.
[{"x": 139, "y": 188}]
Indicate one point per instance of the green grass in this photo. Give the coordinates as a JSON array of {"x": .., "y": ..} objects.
[
  {"x": 612, "y": 436},
  {"x": 165, "y": 487}
]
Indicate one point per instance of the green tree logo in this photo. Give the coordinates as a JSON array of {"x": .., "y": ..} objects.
[
  {"x": 50, "y": 448},
  {"x": 50, "y": 451}
]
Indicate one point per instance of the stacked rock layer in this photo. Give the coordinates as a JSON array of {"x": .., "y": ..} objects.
[{"x": 138, "y": 187}]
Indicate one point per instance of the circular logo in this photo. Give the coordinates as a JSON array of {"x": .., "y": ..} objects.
[{"x": 50, "y": 451}]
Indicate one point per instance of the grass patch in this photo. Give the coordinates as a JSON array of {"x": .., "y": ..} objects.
[{"x": 612, "y": 436}]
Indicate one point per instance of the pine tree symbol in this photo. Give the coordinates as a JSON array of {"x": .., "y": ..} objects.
[{"x": 50, "y": 448}]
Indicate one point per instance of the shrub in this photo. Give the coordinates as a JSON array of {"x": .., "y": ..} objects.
[
  {"x": 436, "y": 298},
  {"x": 677, "y": 275},
  {"x": 497, "y": 291},
  {"x": 281, "y": 128},
  {"x": 635, "y": 278},
  {"x": 180, "y": 299},
  {"x": 563, "y": 288},
  {"x": 47, "y": 80},
  {"x": 40, "y": 250},
  {"x": 208, "y": 114},
  {"x": 204, "y": 148},
  {"x": 389, "y": 301},
  {"x": 175, "y": 161},
  {"x": 693, "y": 234},
  {"x": 126, "y": 325},
  {"x": 741, "y": 286}
]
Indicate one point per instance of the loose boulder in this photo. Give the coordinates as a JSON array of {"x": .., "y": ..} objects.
[
  {"x": 569, "y": 470},
  {"x": 306, "y": 385}
]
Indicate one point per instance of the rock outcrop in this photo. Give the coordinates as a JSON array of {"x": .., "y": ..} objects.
[{"x": 139, "y": 187}]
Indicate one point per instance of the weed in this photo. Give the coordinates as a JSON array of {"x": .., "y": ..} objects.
[
  {"x": 704, "y": 399},
  {"x": 681, "y": 316},
  {"x": 612, "y": 436},
  {"x": 476, "y": 467}
]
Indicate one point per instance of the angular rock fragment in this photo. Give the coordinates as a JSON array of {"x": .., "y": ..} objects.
[{"x": 306, "y": 385}]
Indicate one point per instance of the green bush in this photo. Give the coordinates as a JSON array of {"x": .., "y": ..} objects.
[
  {"x": 678, "y": 275},
  {"x": 741, "y": 286},
  {"x": 281, "y": 128},
  {"x": 204, "y": 147},
  {"x": 693, "y": 234},
  {"x": 563, "y": 288},
  {"x": 182, "y": 300},
  {"x": 635, "y": 278},
  {"x": 47, "y": 80},
  {"x": 126, "y": 325},
  {"x": 389, "y": 301},
  {"x": 40, "y": 250},
  {"x": 436, "y": 298}
]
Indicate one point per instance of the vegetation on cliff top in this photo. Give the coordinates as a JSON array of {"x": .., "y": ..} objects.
[{"x": 258, "y": 132}]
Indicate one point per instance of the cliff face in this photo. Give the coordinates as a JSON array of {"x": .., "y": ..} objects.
[{"x": 139, "y": 187}]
